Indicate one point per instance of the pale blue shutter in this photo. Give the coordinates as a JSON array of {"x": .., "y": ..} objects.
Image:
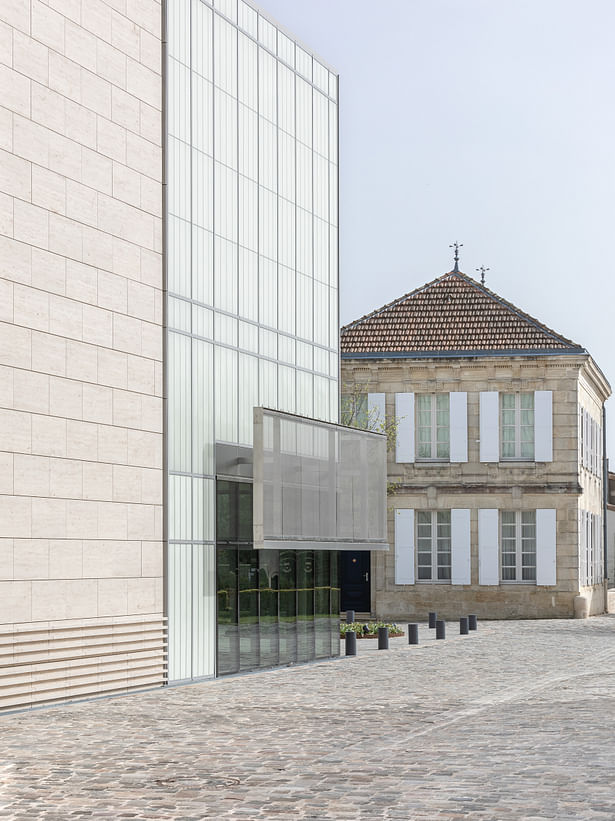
[
  {"x": 488, "y": 546},
  {"x": 459, "y": 426},
  {"x": 489, "y": 426},
  {"x": 460, "y": 547},
  {"x": 404, "y": 546},
  {"x": 404, "y": 416},
  {"x": 546, "y": 544},
  {"x": 543, "y": 426}
]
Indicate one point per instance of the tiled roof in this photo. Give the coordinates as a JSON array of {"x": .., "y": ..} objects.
[{"x": 452, "y": 314}]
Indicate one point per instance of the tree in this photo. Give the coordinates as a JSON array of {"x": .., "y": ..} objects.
[{"x": 355, "y": 413}]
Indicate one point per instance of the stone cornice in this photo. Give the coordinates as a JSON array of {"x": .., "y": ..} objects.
[
  {"x": 488, "y": 489},
  {"x": 596, "y": 379}
]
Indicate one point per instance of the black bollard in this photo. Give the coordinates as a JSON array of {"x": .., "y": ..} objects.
[
  {"x": 463, "y": 626},
  {"x": 432, "y": 620},
  {"x": 440, "y": 629},
  {"x": 383, "y": 638},
  {"x": 349, "y": 616},
  {"x": 472, "y": 622},
  {"x": 413, "y": 634},
  {"x": 351, "y": 643}
]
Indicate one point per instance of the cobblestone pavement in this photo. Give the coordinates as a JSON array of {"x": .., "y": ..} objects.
[{"x": 512, "y": 722}]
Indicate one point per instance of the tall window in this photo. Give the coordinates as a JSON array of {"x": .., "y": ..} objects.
[
  {"x": 433, "y": 545},
  {"x": 590, "y": 547},
  {"x": 433, "y": 426},
  {"x": 518, "y": 546},
  {"x": 517, "y": 425}
]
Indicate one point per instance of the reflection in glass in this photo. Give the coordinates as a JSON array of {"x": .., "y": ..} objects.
[
  {"x": 249, "y": 655},
  {"x": 228, "y": 617},
  {"x": 305, "y": 605},
  {"x": 322, "y": 595},
  {"x": 334, "y": 605},
  {"x": 274, "y": 607},
  {"x": 288, "y": 607},
  {"x": 269, "y": 561}
]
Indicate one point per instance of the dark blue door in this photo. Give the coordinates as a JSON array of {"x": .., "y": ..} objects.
[{"x": 354, "y": 580}]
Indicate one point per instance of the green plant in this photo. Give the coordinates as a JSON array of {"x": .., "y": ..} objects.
[{"x": 372, "y": 628}]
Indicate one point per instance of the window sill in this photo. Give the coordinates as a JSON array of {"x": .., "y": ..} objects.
[
  {"x": 433, "y": 581},
  {"x": 521, "y": 583}
]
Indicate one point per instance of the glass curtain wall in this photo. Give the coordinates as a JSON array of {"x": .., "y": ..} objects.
[
  {"x": 274, "y": 606},
  {"x": 252, "y": 276}
]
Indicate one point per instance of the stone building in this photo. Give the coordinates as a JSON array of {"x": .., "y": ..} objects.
[
  {"x": 496, "y": 504},
  {"x": 610, "y": 529}
]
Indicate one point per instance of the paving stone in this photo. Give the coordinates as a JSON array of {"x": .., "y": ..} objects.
[{"x": 510, "y": 722}]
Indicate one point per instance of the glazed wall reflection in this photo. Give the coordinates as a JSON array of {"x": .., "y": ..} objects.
[{"x": 273, "y": 607}]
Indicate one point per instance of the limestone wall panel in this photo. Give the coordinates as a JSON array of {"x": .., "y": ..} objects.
[{"x": 80, "y": 315}]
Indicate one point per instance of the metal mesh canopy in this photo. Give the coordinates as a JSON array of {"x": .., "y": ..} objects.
[{"x": 317, "y": 486}]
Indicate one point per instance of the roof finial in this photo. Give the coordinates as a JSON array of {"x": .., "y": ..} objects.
[
  {"x": 483, "y": 271},
  {"x": 456, "y": 246}
]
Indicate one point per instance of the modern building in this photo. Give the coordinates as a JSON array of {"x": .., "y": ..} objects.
[
  {"x": 168, "y": 263},
  {"x": 497, "y": 474}
]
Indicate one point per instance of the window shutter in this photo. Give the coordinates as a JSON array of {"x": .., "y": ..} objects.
[
  {"x": 488, "y": 546},
  {"x": 404, "y": 416},
  {"x": 592, "y": 444},
  {"x": 543, "y": 426},
  {"x": 546, "y": 547},
  {"x": 460, "y": 547},
  {"x": 375, "y": 410},
  {"x": 489, "y": 426},
  {"x": 404, "y": 547},
  {"x": 580, "y": 436},
  {"x": 459, "y": 426},
  {"x": 593, "y": 438},
  {"x": 581, "y": 551}
]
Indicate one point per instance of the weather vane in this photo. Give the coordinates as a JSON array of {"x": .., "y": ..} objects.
[
  {"x": 456, "y": 246},
  {"x": 483, "y": 271}
]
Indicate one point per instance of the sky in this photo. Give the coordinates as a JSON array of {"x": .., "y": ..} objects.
[{"x": 487, "y": 122}]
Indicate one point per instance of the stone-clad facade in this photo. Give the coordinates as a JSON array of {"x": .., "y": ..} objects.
[
  {"x": 81, "y": 385},
  {"x": 548, "y": 503},
  {"x": 610, "y": 518}
]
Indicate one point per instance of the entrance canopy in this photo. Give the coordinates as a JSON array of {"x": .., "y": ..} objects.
[{"x": 317, "y": 486}]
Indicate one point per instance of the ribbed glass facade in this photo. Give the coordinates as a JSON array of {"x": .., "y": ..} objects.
[{"x": 252, "y": 276}]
